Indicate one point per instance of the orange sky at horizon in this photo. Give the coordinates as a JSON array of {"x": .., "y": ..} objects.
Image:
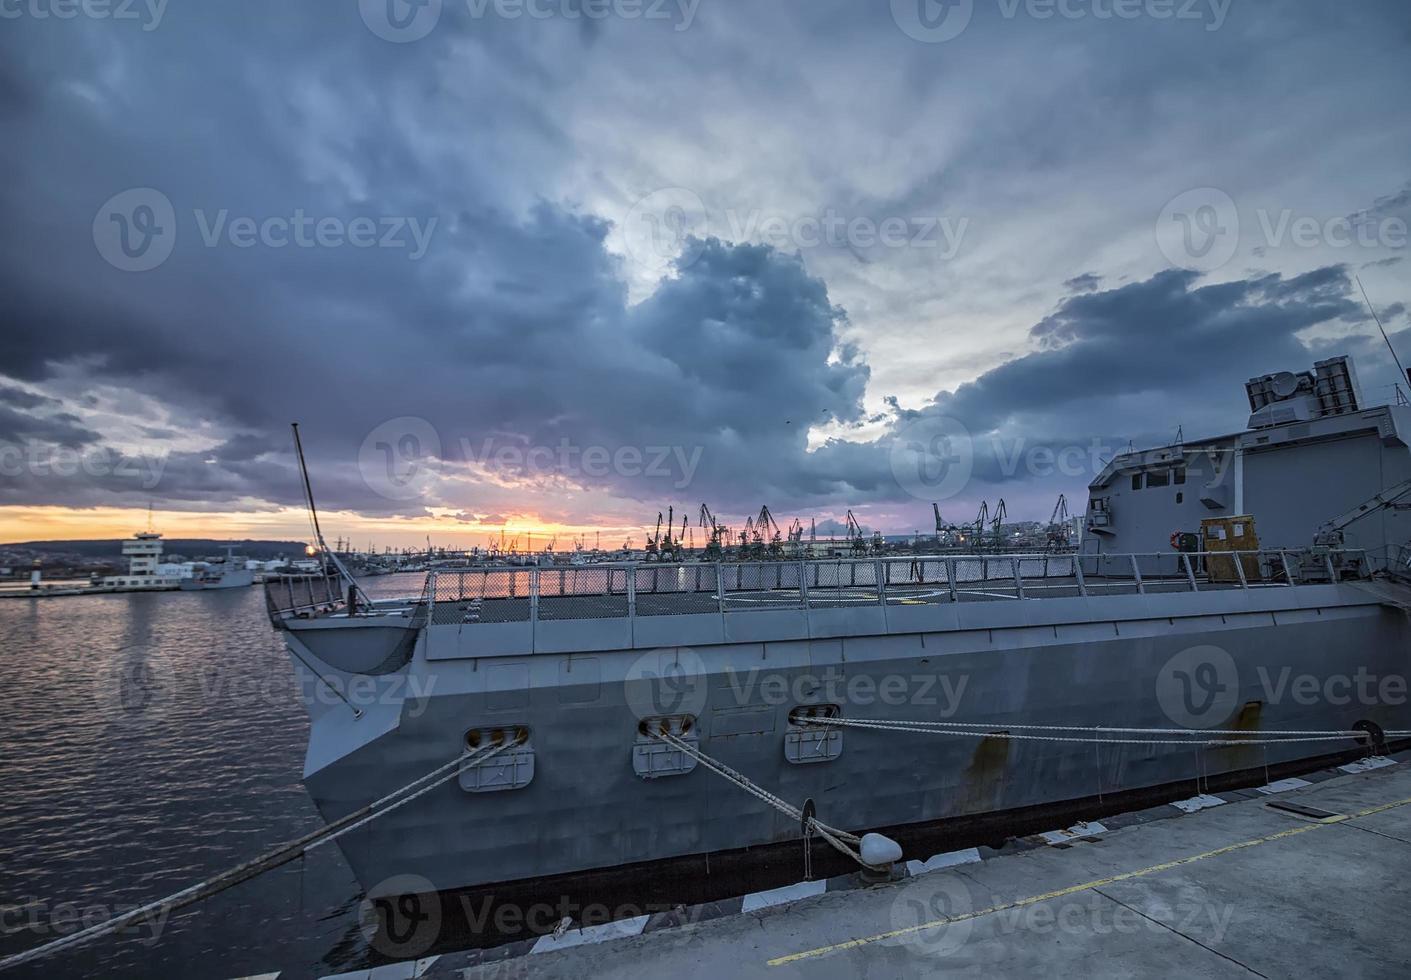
[{"x": 19, "y": 524}]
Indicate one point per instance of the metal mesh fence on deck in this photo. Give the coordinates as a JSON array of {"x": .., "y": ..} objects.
[
  {"x": 673, "y": 590},
  {"x": 497, "y": 595},
  {"x": 917, "y": 580},
  {"x": 582, "y": 593},
  {"x": 762, "y": 585},
  {"x": 840, "y": 583}
]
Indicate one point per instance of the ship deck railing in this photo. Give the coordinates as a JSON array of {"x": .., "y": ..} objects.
[
  {"x": 303, "y": 595},
  {"x": 518, "y": 594}
]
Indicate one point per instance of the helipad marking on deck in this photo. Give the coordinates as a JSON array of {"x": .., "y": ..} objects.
[
  {"x": 778, "y": 896},
  {"x": 1368, "y": 764},
  {"x": 1202, "y": 802},
  {"x": 621, "y": 929},
  {"x": 809, "y": 954},
  {"x": 1284, "y": 785},
  {"x": 969, "y": 855}
]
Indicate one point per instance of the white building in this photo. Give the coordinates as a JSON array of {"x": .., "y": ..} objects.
[{"x": 145, "y": 569}]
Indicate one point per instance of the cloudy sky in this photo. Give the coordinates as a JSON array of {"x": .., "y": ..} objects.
[{"x": 557, "y": 264}]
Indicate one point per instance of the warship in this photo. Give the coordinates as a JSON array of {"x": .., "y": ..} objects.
[{"x": 1242, "y": 585}]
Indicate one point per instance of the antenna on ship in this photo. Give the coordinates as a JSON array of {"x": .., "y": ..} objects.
[{"x": 1373, "y": 310}]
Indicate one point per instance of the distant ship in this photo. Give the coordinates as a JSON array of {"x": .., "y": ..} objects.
[
  {"x": 228, "y": 573},
  {"x": 1205, "y": 569}
]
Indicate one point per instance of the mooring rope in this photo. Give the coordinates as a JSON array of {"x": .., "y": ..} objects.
[
  {"x": 976, "y": 730},
  {"x": 266, "y": 862},
  {"x": 843, "y": 841}
]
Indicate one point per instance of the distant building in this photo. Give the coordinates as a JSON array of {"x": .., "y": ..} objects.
[{"x": 145, "y": 569}]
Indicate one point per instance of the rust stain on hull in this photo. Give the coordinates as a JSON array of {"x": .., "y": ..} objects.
[{"x": 983, "y": 784}]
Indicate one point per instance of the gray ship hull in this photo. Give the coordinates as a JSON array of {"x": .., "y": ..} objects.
[{"x": 1080, "y": 661}]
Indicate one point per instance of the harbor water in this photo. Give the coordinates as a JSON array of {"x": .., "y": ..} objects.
[{"x": 149, "y": 741}]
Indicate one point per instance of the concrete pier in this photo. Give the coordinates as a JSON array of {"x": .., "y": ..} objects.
[{"x": 1307, "y": 877}]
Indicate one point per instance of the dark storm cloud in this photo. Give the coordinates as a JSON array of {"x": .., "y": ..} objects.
[
  {"x": 1129, "y": 364},
  {"x": 1085, "y": 283},
  {"x": 19, "y": 398},
  {"x": 514, "y": 329},
  {"x": 59, "y": 428}
]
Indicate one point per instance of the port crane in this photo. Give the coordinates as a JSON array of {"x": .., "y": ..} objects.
[
  {"x": 769, "y": 537},
  {"x": 946, "y": 533},
  {"x": 856, "y": 541},
  {"x": 669, "y": 548},
  {"x": 795, "y": 536},
  {"x": 719, "y": 534},
  {"x": 747, "y": 539},
  {"x": 1060, "y": 527},
  {"x": 977, "y": 530},
  {"x": 997, "y": 520}
]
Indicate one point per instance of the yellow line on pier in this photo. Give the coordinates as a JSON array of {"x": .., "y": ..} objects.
[{"x": 1085, "y": 886}]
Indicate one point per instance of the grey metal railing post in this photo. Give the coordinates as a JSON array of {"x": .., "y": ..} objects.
[
  {"x": 803, "y": 582},
  {"x": 430, "y": 610},
  {"x": 1239, "y": 568},
  {"x": 1078, "y": 574},
  {"x": 1288, "y": 572},
  {"x": 1190, "y": 572},
  {"x": 1137, "y": 575},
  {"x": 631, "y": 572},
  {"x": 879, "y": 575},
  {"x": 533, "y": 595},
  {"x": 1018, "y": 579},
  {"x": 720, "y": 587},
  {"x": 950, "y": 578},
  {"x": 1328, "y": 558}
]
